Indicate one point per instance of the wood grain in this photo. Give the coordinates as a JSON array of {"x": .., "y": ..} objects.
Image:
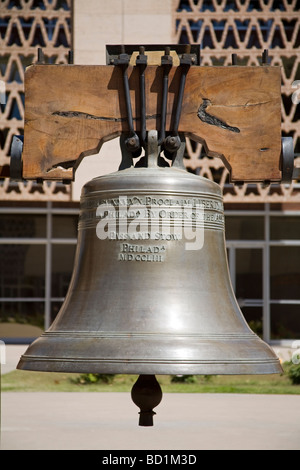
[{"x": 70, "y": 110}]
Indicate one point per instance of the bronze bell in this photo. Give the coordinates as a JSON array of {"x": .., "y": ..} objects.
[{"x": 151, "y": 292}]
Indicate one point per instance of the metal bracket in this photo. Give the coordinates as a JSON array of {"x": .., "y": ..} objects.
[
  {"x": 45, "y": 156},
  {"x": 153, "y": 152},
  {"x": 133, "y": 142},
  {"x": 172, "y": 142},
  {"x": 153, "y": 149},
  {"x": 166, "y": 63},
  {"x": 16, "y": 158},
  {"x": 113, "y": 51},
  {"x": 287, "y": 159},
  {"x": 141, "y": 62},
  {"x": 152, "y": 158}
]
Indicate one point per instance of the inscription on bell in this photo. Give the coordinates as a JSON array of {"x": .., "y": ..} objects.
[
  {"x": 166, "y": 219},
  {"x": 149, "y": 253}
]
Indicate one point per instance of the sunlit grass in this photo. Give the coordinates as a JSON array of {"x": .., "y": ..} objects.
[{"x": 25, "y": 381}]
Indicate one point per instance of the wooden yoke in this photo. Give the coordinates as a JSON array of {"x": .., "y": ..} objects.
[{"x": 71, "y": 110}]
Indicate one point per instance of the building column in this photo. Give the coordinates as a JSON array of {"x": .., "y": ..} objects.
[{"x": 97, "y": 23}]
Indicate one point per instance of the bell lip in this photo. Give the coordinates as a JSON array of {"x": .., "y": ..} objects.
[
  {"x": 242, "y": 353},
  {"x": 255, "y": 367}
]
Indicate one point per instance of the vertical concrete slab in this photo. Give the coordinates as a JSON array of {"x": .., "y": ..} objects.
[{"x": 100, "y": 22}]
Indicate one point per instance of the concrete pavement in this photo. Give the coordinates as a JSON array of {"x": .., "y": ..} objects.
[
  {"x": 109, "y": 421},
  {"x": 10, "y": 355},
  {"x": 101, "y": 421}
]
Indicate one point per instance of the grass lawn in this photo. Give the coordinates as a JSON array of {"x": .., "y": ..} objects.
[{"x": 25, "y": 381}]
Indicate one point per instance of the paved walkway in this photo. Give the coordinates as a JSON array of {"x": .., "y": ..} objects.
[
  {"x": 90, "y": 420},
  {"x": 10, "y": 356},
  {"x": 109, "y": 421}
]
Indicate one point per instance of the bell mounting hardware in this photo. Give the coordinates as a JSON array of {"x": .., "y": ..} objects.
[{"x": 235, "y": 111}]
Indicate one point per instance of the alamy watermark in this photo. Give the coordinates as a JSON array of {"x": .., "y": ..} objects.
[{"x": 133, "y": 219}]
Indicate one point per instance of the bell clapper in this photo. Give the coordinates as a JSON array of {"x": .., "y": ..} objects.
[{"x": 146, "y": 394}]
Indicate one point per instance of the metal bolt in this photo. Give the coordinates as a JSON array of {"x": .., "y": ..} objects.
[
  {"x": 132, "y": 143},
  {"x": 265, "y": 57},
  {"x": 172, "y": 143},
  {"x": 71, "y": 57},
  {"x": 41, "y": 57}
]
